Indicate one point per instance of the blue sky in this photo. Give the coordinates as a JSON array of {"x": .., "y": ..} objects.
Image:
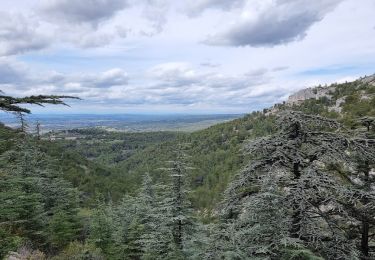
[{"x": 164, "y": 56}]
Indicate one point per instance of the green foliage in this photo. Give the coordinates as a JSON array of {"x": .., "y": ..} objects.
[
  {"x": 79, "y": 251},
  {"x": 37, "y": 204},
  {"x": 62, "y": 228},
  {"x": 299, "y": 254},
  {"x": 8, "y": 242},
  {"x": 114, "y": 147},
  {"x": 101, "y": 229},
  {"x": 156, "y": 224}
]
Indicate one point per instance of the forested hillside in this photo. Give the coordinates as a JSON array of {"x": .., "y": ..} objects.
[
  {"x": 216, "y": 151},
  {"x": 294, "y": 181}
]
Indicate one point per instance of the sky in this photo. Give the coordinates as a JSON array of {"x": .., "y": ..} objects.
[{"x": 191, "y": 57}]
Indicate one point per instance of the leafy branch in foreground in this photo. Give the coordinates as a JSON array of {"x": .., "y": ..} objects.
[{"x": 13, "y": 104}]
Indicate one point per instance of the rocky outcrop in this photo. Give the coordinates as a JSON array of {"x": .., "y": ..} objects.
[
  {"x": 24, "y": 253},
  {"x": 337, "y": 107},
  {"x": 369, "y": 80},
  {"x": 319, "y": 92},
  {"x": 310, "y": 93}
]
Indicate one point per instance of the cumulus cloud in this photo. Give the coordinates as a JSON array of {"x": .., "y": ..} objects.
[
  {"x": 181, "y": 83},
  {"x": 97, "y": 23},
  {"x": 106, "y": 79},
  {"x": 176, "y": 74},
  {"x": 18, "y": 79},
  {"x": 273, "y": 22},
  {"x": 19, "y": 34},
  {"x": 81, "y": 22},
  {"x": 89, "y": 11}
]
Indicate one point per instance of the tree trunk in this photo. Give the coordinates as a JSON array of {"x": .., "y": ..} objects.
[
  {"x": 365, "y": 222},
  {"x": 365, "y": 238},
  {"x": 179, "y": 237},
  {"x": 179, "y": 207},
  {"x": 296, "y": 217}
]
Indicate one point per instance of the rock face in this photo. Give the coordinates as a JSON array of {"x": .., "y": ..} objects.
[
  {"x": 369, "y": 80},
  {"x": 310, "y": 93},
  {"x": 318, "y": 92}
]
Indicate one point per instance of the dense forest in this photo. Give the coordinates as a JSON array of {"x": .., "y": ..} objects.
[{"x": 295, "y": 181}]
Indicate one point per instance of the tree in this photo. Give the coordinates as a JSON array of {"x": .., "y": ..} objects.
[
  {"x": 63, "y": 227},
  {"x": 359, "y": 198},
  {"x": 298, "y": 156},
  {"x": 102, "y": 228},
  {"x": 21, "y": 118},
  {"x": 172, "y": 222},
  {"x": 38, "y": 205},
  {"x": 125, "y": 230},
  {"x": 178, "y": 203},
  {"x": 38, "y": 129},
  {"x": 13, "y": 104}
]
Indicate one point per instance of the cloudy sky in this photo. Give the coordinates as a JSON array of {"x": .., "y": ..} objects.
[{"x": 188, "y": 56}]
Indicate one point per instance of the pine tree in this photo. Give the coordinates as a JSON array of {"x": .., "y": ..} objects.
[
  {"x": 157, "y": 239},
  {"x": 178, "y": 203},
  {"x": 359, "y": 198},
  {"x": 33, "y": 194},
  {"x": 102, "y": 228},
  {"x": 262, "y": 224},
  {"x": 223, "y": 243},
  {"x": 172, "y": 221},
  {"x": 298, "y": 156},
  {"x": 147, "y": 215},
  {"x": 123, "y": 231},
  {"x": 127, "y": 220}
]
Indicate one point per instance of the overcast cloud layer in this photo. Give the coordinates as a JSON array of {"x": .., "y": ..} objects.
[{"x": 164, "y": 56}]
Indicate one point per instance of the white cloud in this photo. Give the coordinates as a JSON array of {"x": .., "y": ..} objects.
[
  {"x": 273, "y": 22},
  {"x": 183, "y": 84},
  {"x": 19, "y": 34},
  {"x": 109, "y": 78},
  {"x": 89, "y": 11},
  {"x": 18, "y": 79},
  {"x": 176, "y": 73}
]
